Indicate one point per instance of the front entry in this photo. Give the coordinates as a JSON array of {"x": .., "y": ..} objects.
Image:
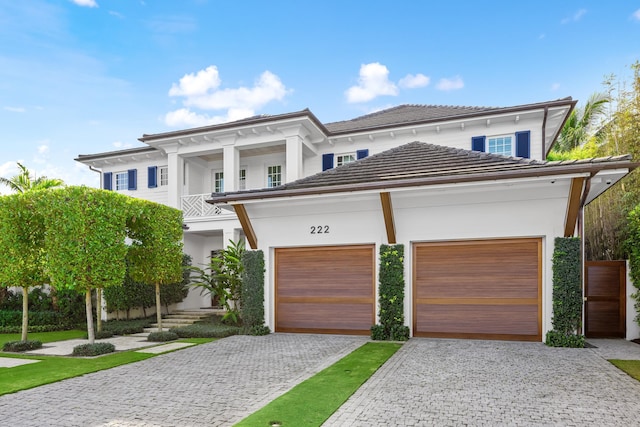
[
  {"x": 605, "y": 298},
  {"x": 325, "y": 289}
]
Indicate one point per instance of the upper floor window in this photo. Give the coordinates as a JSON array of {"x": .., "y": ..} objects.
[
  {"x": 218, "y": 182},
  {"x": 242, "y": 179},
  {"x": 274, "y": 176},
  {"x": 343, "y": 159},
  {"x": 330, "y": 159},
  {"x": 122, "y": 181},
  {"x": 164, "y": 175},
  {"x": 500, "y": 145}
]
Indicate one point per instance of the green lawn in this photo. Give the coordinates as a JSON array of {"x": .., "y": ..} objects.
[
  {"x": 312, "y": 402},
  {"x": 56, "y": 368},
  {"x": 631, "y": 367}
]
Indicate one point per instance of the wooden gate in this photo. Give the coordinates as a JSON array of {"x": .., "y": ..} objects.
[{"x": 605, "y": 299}]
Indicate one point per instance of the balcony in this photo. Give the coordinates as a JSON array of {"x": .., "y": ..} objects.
[{"x": 195, "y": 206}]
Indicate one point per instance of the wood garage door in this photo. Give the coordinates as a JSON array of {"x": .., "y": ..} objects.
[
  {"x": 325, "y": 289},
  {"x": 488, "y": 289}
]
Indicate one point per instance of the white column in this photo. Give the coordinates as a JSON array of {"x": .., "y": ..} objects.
[
  {"x": 175, "y": 166},
  {"x": 231, "y": 167},
  {"x": 229, "y": 234},
  {"x": 294, "y": 158}
]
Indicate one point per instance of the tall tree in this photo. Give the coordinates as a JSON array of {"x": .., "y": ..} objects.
[
  {"x": 583, "y": 123},
  {"x": 85, "y": 241},
  {"x": 21, "y": 245},
  {"x": 155, "y": 254},
  {"x": 24, "y": 182}
]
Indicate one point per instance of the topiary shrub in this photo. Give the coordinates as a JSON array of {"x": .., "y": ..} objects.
[
  {"x": 103, "y": 334},
  {"x": 252, "y": 310},
  {"x": 567, "y": 294},
  {"x": 205, "y": 330},
  {"x": 391, "y": 295},
  {"x": 95, "y": 349},
  {"x": 162, "y": 336},
  {"x": 19, "y": 346}
]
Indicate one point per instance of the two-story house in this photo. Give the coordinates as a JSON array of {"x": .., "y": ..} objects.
[{"x": 467, "y": 191}]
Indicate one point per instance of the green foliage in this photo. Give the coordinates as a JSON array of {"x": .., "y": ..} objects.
[
  {"x": 19, "y": 346},
  {"x": 96, "y": 349},
  {"x": 588, "y": 150},
  {"x": 206, "y": 330},
  {"x": 100, "y": 335},
  {"x": 177, "y": 292},
  {"x": 24, "y": 182},
  {"x": 391, "y": 294},
  {"x": 557, "y": 339},
  {"x": 567, "y": 292},
  {"x": 127, "y": 327},
  {"x": 583, "y": 123},
  {"x": 223, "y": 278},
  {"x": 162, "y": 336},
  {"x": 130, "y": 295},
  {"x": 37, "y": 318},
  {"x": 253, "y": 293},
  {"x": 632, "y": 245}
]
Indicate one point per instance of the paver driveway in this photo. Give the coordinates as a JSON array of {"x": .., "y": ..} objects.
[{"x": 428, "y": 382}]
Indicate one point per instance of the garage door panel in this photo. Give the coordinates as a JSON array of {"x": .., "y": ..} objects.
[
  {"x": 478, "y": 289},
  {"x": 478, "y": 319},
  {"x": 323, "y": 317}
]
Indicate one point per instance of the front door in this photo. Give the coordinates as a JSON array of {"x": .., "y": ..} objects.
[{"x": 605, "y": 299}]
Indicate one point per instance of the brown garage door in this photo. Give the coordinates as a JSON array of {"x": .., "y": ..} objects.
[
  {"x": 488, "y": 289},
  {"x": 325, "y": 289}
]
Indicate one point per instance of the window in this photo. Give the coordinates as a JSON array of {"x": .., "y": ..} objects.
[
  {"x": 122, "y": 181},
  {"x": 343, "y": 159},
  {"x": 500, "y": 145},
  {"x": 218, "y": 182},
  {"x": 164, "y": 175},
  {"x": 274, "y": 176},
  {"x": 242, "y": 179}
]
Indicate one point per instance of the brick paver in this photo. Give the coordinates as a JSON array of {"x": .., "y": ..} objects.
[
  {"x": 492, "y": 383},
  {"x": 214, "y": 384}
]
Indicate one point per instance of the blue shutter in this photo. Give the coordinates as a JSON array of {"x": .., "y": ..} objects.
[
  {"x": 153, "y": 177},
  {"x": 361, "y": 154},
  {"x": 477, "y": 143},
  {"x": 523, "y": 144},
  {"x": 327, "y": 161},
  {"x": 132, "y": 178},
  {"x": 107, "y": 180}
]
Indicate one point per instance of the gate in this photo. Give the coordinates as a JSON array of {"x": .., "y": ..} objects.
[{"x": 605, "y": 299}]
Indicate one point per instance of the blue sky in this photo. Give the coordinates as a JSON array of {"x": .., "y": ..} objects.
[{"x": 89, "y": 76}]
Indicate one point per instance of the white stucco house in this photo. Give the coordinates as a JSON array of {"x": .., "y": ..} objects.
[{"x": 466, "y": 190}]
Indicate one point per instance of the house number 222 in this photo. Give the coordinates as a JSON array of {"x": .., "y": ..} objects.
[{"x": 319, "y": 229}]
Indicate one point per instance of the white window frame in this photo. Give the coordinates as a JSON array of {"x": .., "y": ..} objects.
[
  {"x": 274, "y": 176},
  {"x": 495, "y": 138},
  {"x": 242, "y": 178},
  {"x": 345, "y": 158},
  {"x": 218, "y": 181},
  {"x": 163, "y": 176},
  {"x": 121, "y": 181}
]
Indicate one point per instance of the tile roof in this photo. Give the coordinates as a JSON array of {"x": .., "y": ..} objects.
[{"x": 420, "y": 163}]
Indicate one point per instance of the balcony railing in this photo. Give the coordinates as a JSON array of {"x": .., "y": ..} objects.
[{"x": 195, "y": 206}]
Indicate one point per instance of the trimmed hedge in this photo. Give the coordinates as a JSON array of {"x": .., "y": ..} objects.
[
  {"x": 162, "y": 336},
  {"x": 19, "y": 346},
  {"x": 632, "y": 246},
  {"x": 567, "y": 294},
  {"x": 252, "y": 309},
  {"x": 391, "y": 295},
  {"x": 205, "y": 330},
  {"x": 127, "y": 327},
  {"x": 88, "y": 350}
]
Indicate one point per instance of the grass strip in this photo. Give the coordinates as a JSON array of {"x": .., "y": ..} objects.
[
  {"x": 631, "y": 367},
  {"x": 313, "y": 401},
  {"x": 44, "y": 336}
]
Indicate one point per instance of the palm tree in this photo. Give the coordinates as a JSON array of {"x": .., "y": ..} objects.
[
  {"x": 23, "y": 182},
  {"x": 582, "y": 122}
]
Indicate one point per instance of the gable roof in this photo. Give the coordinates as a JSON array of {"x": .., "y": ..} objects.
[{"x": 420, "y": 164}]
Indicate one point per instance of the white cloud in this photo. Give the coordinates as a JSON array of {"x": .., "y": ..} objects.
[
  {"x": 86, "y": 3},
  {"x": 453, "y": 83},
  {"x": 16, "y": 109},
  {"x": 411, "y": 81},
  {"x": 116, "y": 14},
  {"x": 122, "y": 145},
  {"x": 555, "y": 87},
  {"x": 201, "y": 90},
  {"x": 42, "y": 155},
  {"x": 197, "y": 84},
  {"x": 575, "y": 17},
  {"x": 43, "y": 149},
  {"x": 636, "y": 15},
  {"x": 373, "y": 82}
]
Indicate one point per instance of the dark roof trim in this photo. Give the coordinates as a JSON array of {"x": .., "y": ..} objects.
[
  {"x": 256, "y": 120},
  {"x": 127, "y": 152},
  {"x": 555, "y": 137},
  {"x": 568, "y": 101},
  {"x": 620, "y": 162}
]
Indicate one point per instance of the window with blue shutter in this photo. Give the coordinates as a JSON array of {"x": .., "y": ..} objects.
[
  {"x": 361, "y": 154},
  {"x": 523, "y": 144},
  {"x": 153, "y": 177},
  {"x": 327, "y": 161},
  {"x": 133, "y": 181},
  {"x": 107, "y": 180},
  {"x": 478, "y": 143}
]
